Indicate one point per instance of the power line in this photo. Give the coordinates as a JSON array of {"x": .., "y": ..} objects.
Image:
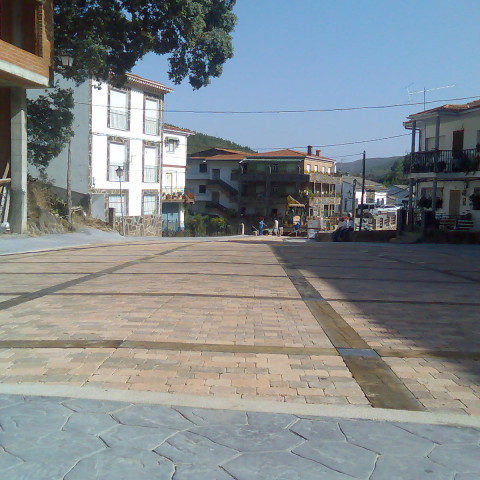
[
  {"x": 339, "y": 144},
  {"x": 318, "y": 110}
]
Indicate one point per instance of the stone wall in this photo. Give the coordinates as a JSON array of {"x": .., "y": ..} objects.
[{"x": 139, "y": 226}]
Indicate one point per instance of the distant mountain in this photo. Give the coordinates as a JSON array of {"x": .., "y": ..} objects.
[
  {"x": 200, "y": 141},
  {"x": 375, "y": 168}
]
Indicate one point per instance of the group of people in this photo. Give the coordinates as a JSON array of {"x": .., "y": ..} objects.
[
  {"x": 275, "y": 229},
  {"x": 345, "y": 225}
]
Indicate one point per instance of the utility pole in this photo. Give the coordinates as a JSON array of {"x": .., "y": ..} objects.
[
  {"x": 363, "y": 192},
  {"x": 69, "y": 182}
]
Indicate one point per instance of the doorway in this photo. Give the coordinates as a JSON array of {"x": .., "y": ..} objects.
[
  {"x": 457, "y": 142},
  {"x": 454, "y": 202},
  {"x": 216, "y": 173},
  {"x": 216, "y": 197}
]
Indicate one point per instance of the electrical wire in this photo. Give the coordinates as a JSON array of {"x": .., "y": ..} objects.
[
  {"x": 317, "y": 110},
  {"x": 338, "y": 144}
]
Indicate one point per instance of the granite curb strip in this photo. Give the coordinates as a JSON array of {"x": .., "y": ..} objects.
[{"x": 219, "y": 403}]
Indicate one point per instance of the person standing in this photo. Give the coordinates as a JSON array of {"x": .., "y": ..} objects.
[
  {"x": 276, "y": 230},
  {"x": 261, "y": 226}
]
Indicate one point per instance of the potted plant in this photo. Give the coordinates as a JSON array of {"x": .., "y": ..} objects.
[{"x": 475, "y": 199}]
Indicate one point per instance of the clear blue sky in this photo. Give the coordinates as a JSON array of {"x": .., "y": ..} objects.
[{"x": 315, "y": 54}]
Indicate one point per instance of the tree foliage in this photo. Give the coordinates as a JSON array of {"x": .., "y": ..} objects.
[
  {"x": 109, "y": 36},
  {"x": 49, "y": 126}
]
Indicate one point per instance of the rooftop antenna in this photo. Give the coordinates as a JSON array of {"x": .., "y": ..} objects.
[{"x": 424, "y": 91}]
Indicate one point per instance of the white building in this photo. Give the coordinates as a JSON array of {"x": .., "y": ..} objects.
[
  {"x": 445, "y": 172},
  {"x": 375, "y": 193},
  {"x": 118, "y": 131}
]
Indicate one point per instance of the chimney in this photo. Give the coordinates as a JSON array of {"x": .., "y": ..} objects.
[
  {"x": 309, "y": 150},
  {"x": 318, "y": 153}
]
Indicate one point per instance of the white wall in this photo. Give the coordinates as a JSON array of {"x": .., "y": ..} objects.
[
  {"x": 195, "y": 178},
  {"x": 469, "y": 122},
  {"x": 57, "y": 169}
]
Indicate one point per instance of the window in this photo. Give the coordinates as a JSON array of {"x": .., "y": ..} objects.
[
  {"x": 315, "y": 168},
  {"x": 149, "y": 204},
  {"x": 118, "y": 203},
  {"x": 151, "y": 116},
  {"x": 150, "y": 164},
  {"x": 118, "y": 111},
  {"x": 202, "y": 168},
  {"x": 171, "y": 144},
  {"x": 308, "y": 167},
  {"x": 117, "y": 157},
  {"x": 323, "y": 169},
  {"x": 202, "y": 189},
  {"x": 274, "y": 167}
]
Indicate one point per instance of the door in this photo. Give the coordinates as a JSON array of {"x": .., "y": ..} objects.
[
  {"x": 454, "y": 202},
  {"x": 216, "y": 173},
  {"x": 216, "y": 197},
  {"x": 457, "y": 142}
]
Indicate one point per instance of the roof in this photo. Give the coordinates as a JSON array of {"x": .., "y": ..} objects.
[
  {"x": 148, "y": 85},
  {"x": 178, "y": 130},
  {"x": 287, "y": 153},
  {"x": 217, "y": 154},
  {"x": 368, "y": 183},
  {"x": 450, "y": 108}
]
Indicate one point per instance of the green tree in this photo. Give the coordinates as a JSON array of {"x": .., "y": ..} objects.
[
  {"x": 108, "y": 37},
  {"x": 396, "y": 175},
  {"x": 49, "y": 126}
]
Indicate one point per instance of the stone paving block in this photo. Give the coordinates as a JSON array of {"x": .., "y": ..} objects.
[
  {"x": 59, "y": 448},
  {"x": 402, "y": 468},
  {"x": 384, "y": 438},
  {"x": 317, "y": 431},
  {"x": 146, "y": 438},
  {"x": 443, "y": 434},
  {"x": 152, "y": 416},
  {"x": 279, "y": 466},
  {"x": 200, "y": 472},
  {"x": 7, "y": 460},
  {"x": 191, "y": 448},
  {"x": 461, "y": 458},
  {"x": 120, "y": 464},
  {"x": 93, "y": 406},
  {"x": 89, "y": 423},
  {"x": 34, "y": 417},
  {"x": 37, "y": 471},
  {"x": 251, "y": 438},
  {"x": 201, "y": 416},
  {"x": 273, "y": 420},
  {"x": 339, "y": 456}
]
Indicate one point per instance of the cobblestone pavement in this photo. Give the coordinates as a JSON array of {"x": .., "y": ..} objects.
[
  {"x": 44, "y": 438},
  {"x": 391, "y": 326}
]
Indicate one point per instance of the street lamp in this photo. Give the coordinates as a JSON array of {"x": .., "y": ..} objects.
[
  {"x": 119, "y": 172},
  {"x": 67, "y": 61}
]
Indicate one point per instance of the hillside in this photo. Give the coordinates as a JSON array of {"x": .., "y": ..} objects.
[
  {"x": 200, "y": 141},
  {"x": 378, "y": 169}
]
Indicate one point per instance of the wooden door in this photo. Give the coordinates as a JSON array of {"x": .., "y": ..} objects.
[
  {"x": 457, "y": 142},
  {"x": 454, "y": 202}
]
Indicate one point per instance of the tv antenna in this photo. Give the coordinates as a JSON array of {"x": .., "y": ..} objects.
[{"x": 424, "y": 91}]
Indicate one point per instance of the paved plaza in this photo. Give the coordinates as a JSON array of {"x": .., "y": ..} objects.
[{"x": 246, "y": 325}]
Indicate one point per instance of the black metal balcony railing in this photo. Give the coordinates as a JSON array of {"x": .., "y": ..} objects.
[{"x": 448, "y": 161}]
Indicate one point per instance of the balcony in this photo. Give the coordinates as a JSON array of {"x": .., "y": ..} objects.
[
  {"x": 317, "y": 199},
  {"x": 274, "y": 176},
  {"x": 173, "y": 195},
  {"x": 332, "y": 179},
  {"x": 448, "y": 161}
]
